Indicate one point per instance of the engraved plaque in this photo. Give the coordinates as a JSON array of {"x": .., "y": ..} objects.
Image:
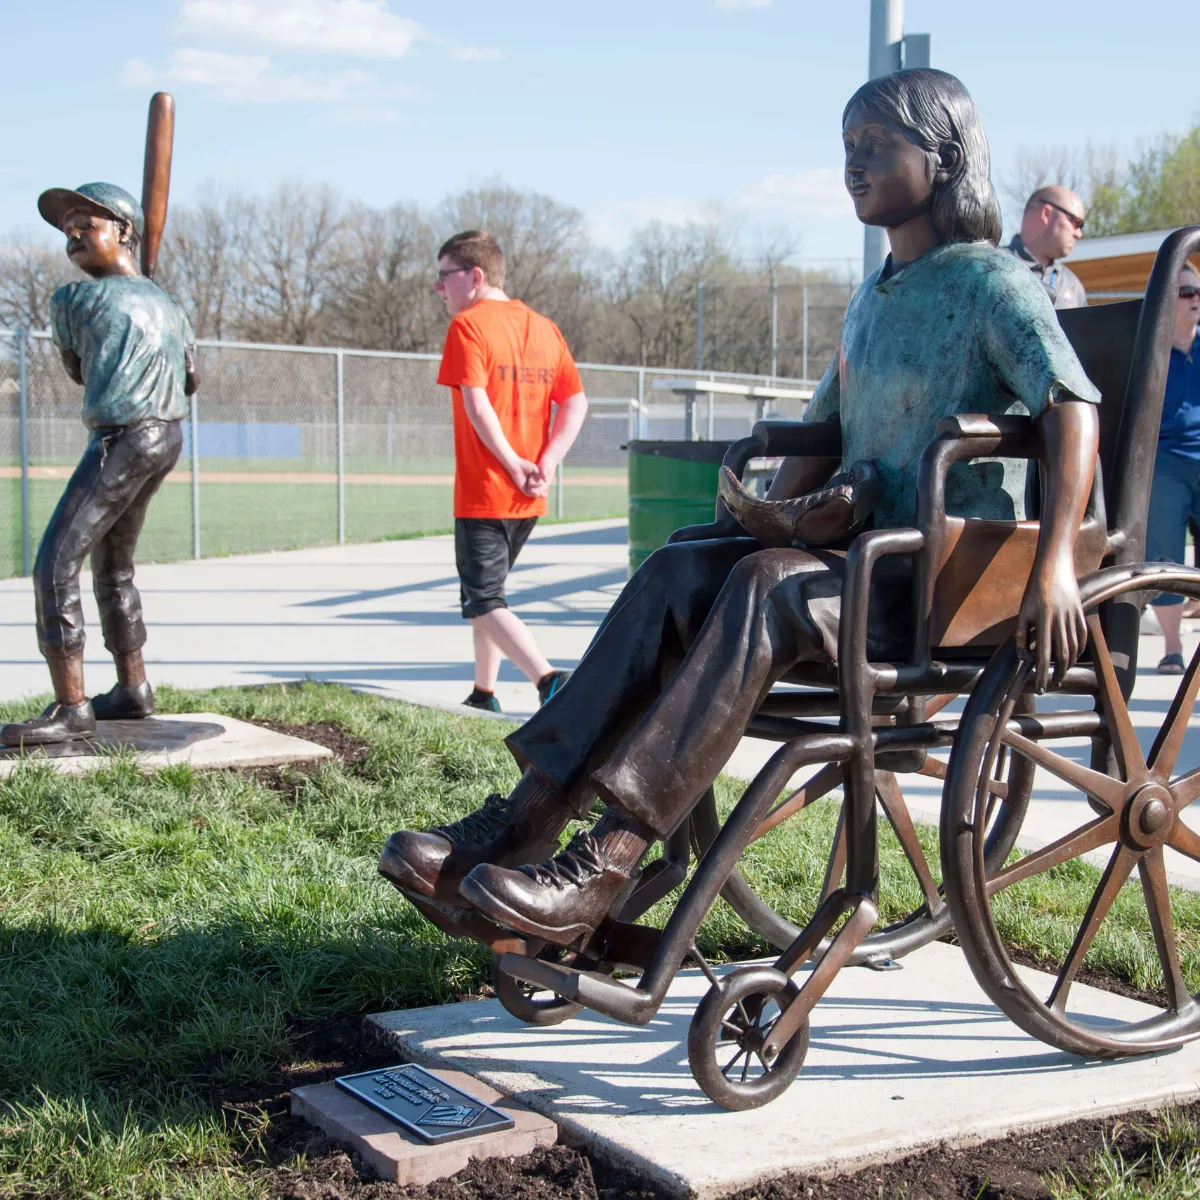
[{"x": 424, "y": 1104}]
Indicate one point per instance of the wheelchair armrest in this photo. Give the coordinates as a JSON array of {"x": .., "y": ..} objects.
[
  {"x": 808, "y": 439},
  {"x": 1013, "y": 431},
  {"x": 780, "y": 439},
  {"x": 865, "y": 552}
]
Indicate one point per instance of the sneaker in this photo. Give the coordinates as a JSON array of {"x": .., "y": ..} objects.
[
  {"x": 551, "y": 684},
  {"x": 483, "y": 701}
]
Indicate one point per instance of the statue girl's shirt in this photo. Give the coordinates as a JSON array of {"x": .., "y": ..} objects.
[
  {"x": 133, "y": 342},
  {"x": 964, "y": 328}
]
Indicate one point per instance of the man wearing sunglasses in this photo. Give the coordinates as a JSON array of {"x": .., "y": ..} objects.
[
  {"x": 1051, "y": 225},
  {"x": 1175, "y": 493}
]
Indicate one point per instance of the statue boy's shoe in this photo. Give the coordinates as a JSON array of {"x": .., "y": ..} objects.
[
  {"x": 434, "y": 863},
  {"x": 123, "y": 703},
  {"x": 59, "y": 723},
  {"x": 559, "y": 900}
]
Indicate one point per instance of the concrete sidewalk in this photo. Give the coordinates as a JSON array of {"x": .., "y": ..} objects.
[{"x": 384, "y": 616}]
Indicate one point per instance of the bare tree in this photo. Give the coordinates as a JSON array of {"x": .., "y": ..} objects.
[
  {"x": 301, "y": 267},
  {"x": 1086, "y": 170},
  {"x": 545, "y": 249},
  {"x": 291, "y": 257},
  {"x": 379, "y": 293},
  {"x": 29, "y": 275},
  {"x": 652, "y": 290},
  {"x": 205, "y": 263}
]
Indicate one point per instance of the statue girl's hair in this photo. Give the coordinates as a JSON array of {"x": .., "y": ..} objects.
[{"x": 935, "y": 108}]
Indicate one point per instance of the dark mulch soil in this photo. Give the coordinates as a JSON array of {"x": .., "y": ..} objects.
[
  {"x": 1010, "y": 1169},
  {"x": 345, "y": 746},
  {"x": 1097, "y": 977},
  {"x": 295, "y": 1161},
  {"x": 350, "y": 750}
]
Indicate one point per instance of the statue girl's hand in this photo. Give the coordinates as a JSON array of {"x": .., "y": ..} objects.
[{"x": 1051, "y": 622}]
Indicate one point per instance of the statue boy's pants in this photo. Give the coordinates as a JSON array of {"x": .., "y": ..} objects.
[
  {"x": 686, "y": 654},
  {"x": 101, "y": 514}
]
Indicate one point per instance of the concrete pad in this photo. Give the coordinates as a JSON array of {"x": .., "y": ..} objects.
[
  {"x": 899, "y": 1060},
  {"x": 397, "y": 1155},
  {"x": 205, "y": 740}
]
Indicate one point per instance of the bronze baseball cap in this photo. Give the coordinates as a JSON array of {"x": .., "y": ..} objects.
[{"x": 102, "y": 199}]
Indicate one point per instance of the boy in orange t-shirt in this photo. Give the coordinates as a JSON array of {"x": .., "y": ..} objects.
[{"x": 505, "y": 366}]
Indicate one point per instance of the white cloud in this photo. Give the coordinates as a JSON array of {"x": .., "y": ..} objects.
[
  {"x": 477, "y": 54},
  {"x": 249, "y": 77},
  {"x": 819, "y": 192},
  {"x": 742, "y": 3},
  {"x": 137, "y": 73},
  {"x": 362, "y": 28}
]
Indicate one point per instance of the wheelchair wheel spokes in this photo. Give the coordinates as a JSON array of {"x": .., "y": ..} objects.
[
  {"x": 819, "y": 786},
  {"x": 1164, "y": 753},
  {"x": 924, "y": 917},
  {"x": 728, "y": 1033},
  {"x": 887, "y": 789},
  {"x": 1137, "y": 802}
]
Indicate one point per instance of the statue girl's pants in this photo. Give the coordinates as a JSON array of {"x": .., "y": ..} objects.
[
  {"x": 686, "y": 654},
  {"x": 101, "y": 514}
]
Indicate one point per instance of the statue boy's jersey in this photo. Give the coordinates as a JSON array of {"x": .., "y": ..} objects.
[{"x": 133, "y": 341}]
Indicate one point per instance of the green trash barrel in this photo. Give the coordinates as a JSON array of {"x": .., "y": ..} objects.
[{"x": 671, "y": 484}]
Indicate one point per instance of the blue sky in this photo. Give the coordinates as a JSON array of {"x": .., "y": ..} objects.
[{"x": 665, "y": 109}]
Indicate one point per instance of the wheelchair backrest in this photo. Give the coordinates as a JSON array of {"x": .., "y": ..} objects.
[{"x": 1102, "y": 337}]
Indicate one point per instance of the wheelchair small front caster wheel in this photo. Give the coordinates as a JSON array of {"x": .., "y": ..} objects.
[
  {"x": 726, "y": 1037},
  {"x": 526, "y": 1001}
]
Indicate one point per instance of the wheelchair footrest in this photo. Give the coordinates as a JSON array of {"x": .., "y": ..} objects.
[{"x": 630, "y": 1005}]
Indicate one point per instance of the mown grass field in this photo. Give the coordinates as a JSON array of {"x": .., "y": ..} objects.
[
  {"x": 245, "y": 518},
  {"x": 168, "y": 941}
]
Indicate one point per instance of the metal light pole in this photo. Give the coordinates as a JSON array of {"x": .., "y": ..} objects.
[
  {"x": 890, "y": 50},
  {"x": 887, "y": 30},
  {"x": 774, "y": 328}
]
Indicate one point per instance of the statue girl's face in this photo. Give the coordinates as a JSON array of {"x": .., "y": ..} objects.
[{"x": 889, "y": 177}]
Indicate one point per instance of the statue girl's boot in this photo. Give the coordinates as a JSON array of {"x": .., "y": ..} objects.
[
  {"x": 563, "y": 899},
  {"x": 70, "y": 716},
  {"x": 522, "y": 827}
]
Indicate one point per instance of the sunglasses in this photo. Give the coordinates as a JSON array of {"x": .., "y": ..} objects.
[
  {"x": 444, "y": 275},
  {"x": 1066, "y": 212},
  {"x": 1189, "y": 293}
]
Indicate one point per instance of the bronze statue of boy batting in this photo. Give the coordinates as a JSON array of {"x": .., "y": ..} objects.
[{"x": 131, "y": 347}]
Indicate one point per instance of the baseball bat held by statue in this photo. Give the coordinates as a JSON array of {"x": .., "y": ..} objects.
[{"x": 156, "y": 176}]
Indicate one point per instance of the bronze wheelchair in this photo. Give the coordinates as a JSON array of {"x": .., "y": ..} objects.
[{"x": 863, "y": 723}]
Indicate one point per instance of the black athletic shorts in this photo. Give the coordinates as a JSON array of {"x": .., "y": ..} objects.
[{"x": 485, "y": 549}]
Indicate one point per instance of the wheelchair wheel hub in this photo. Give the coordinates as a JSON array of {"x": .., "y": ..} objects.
[{"x": 1148, "y": 818}]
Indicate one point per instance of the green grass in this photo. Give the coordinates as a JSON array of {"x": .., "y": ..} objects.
[
  {"x": 163, "y": 936},
  {"x": 246, "y": 518},
  {"x": 1155, "y": 1160}
]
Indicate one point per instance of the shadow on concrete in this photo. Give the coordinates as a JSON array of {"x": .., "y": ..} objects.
[
  {"x": 617, "y": 535},
  {"x": 573, "y": 616},
  {"x": 432, "y": 672}
]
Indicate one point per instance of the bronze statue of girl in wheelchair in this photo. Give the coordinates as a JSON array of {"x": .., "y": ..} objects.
[{"x": 951, "y": 375}]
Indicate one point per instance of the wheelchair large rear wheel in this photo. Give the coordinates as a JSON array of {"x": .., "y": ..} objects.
[
  {"x": 1009, "y": 791},
  {"x": 1137, "y": 789}
]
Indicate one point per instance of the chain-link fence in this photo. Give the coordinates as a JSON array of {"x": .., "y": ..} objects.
[
  {"x": 291, "y": 446},
  {"x": 783, "y": 329}
]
